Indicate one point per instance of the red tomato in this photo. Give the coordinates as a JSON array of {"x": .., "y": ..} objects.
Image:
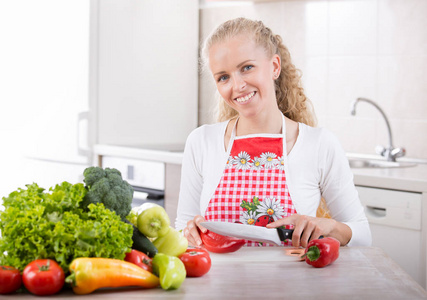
[
  {"x": 140, "y": 259},
  {"x": 10, "y": 279},
  {"x": 197, "y": 262},
  {"x": 43, "y": 277}
]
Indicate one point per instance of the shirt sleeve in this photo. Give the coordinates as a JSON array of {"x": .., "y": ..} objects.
[
  {"x": 191, "y": 182},
  {"x": 338, "y": 190}
]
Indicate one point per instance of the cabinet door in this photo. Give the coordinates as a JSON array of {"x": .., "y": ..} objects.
[
  {"x": 145, "y": 60},
  {"x": 395, "y": 221}
]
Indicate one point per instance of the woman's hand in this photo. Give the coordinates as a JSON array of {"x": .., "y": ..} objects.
[
  {"x": 308, "y": 228},
  {"x": 191, "y": 232}
]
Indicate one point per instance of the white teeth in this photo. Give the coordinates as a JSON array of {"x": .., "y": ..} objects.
[{"x": 246, "y": 98}]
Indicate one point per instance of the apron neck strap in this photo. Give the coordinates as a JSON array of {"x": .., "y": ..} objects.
[
  {"x": 233, "y": 135},
  {"x": 285, "y": 151}
]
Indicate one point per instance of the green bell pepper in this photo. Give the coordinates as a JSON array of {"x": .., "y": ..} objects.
[
  {"x": 170, "y": 270},
  {"x": 174, "y": 243},
  {"x": 153, "y": 222}
]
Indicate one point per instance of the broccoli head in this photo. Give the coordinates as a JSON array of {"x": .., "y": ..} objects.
[{"x": 107, "y": 186}]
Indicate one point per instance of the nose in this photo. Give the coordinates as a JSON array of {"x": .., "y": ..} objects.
[{"x": 238, "y": 82}]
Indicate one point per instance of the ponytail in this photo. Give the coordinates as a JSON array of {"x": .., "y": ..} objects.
[{"x": 290, "y": 96}]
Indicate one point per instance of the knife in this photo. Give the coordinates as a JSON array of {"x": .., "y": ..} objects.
[{"x": 250, "y": 232}]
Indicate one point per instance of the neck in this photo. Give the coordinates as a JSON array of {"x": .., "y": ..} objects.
[{"x": 267, "y": 123}]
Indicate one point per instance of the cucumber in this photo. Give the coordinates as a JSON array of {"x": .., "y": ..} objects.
[{"x": 142, "y": 243}]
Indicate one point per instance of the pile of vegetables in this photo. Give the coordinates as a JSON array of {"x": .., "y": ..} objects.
[
  {"x": 53, "y": 224},
  {"x": 87, "y": 236}
]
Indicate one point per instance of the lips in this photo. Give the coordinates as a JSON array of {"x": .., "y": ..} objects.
[{"x": 245, "y": 98}]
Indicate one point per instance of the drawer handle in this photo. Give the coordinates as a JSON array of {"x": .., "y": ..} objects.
[
  {"x": 376, "y": 212},
  {"x": 140, "y": 195}
]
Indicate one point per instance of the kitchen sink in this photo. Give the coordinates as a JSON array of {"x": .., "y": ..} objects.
[{"x": 373, "y": 163}]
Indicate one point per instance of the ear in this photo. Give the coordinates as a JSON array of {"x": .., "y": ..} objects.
[{"x": 277, "y": 66}]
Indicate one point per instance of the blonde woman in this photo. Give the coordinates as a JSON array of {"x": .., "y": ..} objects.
[{"x": 264, "y": 163}]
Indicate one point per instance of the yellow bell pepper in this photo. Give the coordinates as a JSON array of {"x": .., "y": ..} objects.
[{"x": 91, "y": 273}]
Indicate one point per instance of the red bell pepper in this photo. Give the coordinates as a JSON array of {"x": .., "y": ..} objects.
[
  {"x": 322, "y": 252},
  {"x": 197, "y": 261},
  {"x": 140, "y": 259},
  {"x": 217, "y": 243}
]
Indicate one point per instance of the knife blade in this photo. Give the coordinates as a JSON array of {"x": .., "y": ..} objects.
[{"x": 250, "y": 232}]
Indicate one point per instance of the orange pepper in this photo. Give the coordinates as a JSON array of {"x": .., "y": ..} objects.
[{"x": 91, "y": 273}]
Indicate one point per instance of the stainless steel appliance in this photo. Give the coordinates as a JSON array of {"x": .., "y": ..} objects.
[{"x": 143, "y": 195}]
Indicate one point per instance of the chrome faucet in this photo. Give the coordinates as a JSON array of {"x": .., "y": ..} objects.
[{"x": 389, "y": 152}]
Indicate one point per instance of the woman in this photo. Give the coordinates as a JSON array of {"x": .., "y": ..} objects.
[{"x": 263, "y": 164}]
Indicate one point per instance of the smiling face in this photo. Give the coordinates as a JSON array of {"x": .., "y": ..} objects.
[{"x": 244, "y": 75}]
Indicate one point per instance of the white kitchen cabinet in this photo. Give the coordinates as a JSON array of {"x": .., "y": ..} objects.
[
  {"x": 144, "y": 71},
  {"x": 395, "y": 218}
]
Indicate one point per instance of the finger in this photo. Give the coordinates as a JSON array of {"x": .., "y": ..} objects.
[
  {"x": 285, "y": 221},
  {"x": 189, "y": 237},
  {"x": 307, "y": 233},
  {"x": 316, "y": 234},
  {"x": 193, "y": 233},
  {"x": 196, "y": 238},
  {"x": 198, "y": 220},
  {"x": 298, "y": 230},
  {"x": 191, "y": 242}
]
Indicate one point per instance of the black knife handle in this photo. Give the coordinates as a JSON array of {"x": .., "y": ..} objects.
[{"x": 285, "y": 234}]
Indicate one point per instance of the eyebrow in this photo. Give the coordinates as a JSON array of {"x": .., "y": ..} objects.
[{"x": 238, "y": 66}]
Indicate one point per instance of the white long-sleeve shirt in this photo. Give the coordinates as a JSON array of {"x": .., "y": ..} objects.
[{"x": 317, "y": 168}]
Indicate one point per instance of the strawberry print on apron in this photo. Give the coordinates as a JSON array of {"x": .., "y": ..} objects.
[{"x": 253, "y": 188}]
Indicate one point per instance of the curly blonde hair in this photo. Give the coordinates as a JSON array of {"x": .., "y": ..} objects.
[{"x": 290, "y": 96}]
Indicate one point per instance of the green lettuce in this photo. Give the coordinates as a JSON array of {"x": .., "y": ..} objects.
[{"x": 39, "y": 224}]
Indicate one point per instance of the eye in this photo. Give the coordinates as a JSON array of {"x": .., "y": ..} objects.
[
  {"x": 248, "y": 67},
  {"x": 222, "y": 78}
]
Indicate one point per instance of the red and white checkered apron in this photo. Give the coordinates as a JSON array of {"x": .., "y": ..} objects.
[{"x": 253, "y": 188}]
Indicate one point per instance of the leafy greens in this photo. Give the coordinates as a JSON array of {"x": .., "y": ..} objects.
[{"x": 39, "y": 224}]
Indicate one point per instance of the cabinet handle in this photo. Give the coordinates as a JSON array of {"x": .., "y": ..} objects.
[
  {"x": 85, "y": 150},
  {"x": 376, "y": 212}
]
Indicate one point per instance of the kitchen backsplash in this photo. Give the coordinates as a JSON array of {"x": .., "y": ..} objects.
[{"x": 347, "y": 49}]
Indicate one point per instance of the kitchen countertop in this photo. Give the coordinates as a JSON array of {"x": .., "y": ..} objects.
[
  {"x": 413, "y": 179},
  {"x": 172, "y": 155},
  {"x": 256, "y": 273}
]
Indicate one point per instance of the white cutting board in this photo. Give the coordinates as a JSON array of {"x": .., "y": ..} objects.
[{"x": 259, "y": 254}]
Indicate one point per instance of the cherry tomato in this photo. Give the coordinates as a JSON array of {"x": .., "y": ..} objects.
[
  {"x": 140, "y": 259},
  {"x": 43, "y": 277},
  {"x": 197, "y": 262},
  {"x": 10, "y": 279}
]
